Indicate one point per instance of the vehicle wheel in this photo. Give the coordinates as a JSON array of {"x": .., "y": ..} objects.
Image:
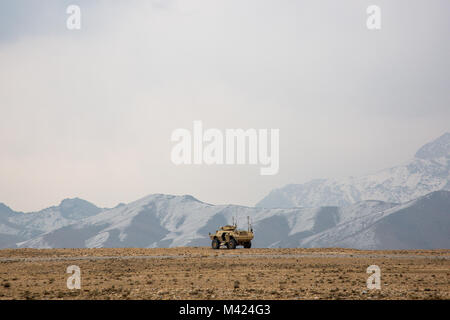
[
  {"x": 215, "y": 244},
  {"x": 248, "y": 245},
  {"x": 231, "y": 244}
]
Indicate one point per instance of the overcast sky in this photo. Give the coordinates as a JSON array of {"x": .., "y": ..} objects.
[{"x": 89, "y": 113}]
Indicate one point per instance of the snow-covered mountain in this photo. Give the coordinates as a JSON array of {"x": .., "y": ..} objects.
[
  {"x": 428, "y": 171},
  {"x": 19, "y": 226},
  {"x": 404, "y": 207},
  {"x": 423, "y": 223},
  {"x": 167, "y": 221}
]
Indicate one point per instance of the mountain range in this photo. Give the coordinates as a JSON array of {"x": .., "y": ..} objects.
[
  {"x": 427, "y": 171},
  {"x": 406, "y": 207},
  {"x": 20, "y": 226}
]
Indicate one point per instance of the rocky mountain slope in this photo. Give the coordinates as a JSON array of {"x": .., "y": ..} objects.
[
  {"x": 428, "y": 171},
  {"x": 168, "y": 221}
]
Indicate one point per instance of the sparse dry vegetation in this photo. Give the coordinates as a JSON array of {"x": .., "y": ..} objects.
[{"x": 203, "y": 273}]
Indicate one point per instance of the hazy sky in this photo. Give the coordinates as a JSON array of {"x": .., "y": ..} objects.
[{"x": 89, "y": 113}]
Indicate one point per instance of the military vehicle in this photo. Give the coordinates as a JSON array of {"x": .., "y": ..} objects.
[{"x": 231, "y": 237}]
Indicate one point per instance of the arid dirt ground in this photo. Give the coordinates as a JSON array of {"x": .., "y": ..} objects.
[{"x": 204, "y": 273}]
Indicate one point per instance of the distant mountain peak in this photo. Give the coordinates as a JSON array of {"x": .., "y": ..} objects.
[
  {"x": 76, "y": 208},
  {"x": 72, "y": 201},
  {"x": 437, "y": 148},
  {"x": 5, "y": 209},
  {"x": 163, "y": 196},
  {"x": 190, "y": 198}
]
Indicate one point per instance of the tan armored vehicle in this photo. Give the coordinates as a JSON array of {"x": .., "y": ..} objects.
[{"x": 231, "y": 237}]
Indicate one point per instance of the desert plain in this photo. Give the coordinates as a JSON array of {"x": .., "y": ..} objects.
[{"x": 204, "y": 273}]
